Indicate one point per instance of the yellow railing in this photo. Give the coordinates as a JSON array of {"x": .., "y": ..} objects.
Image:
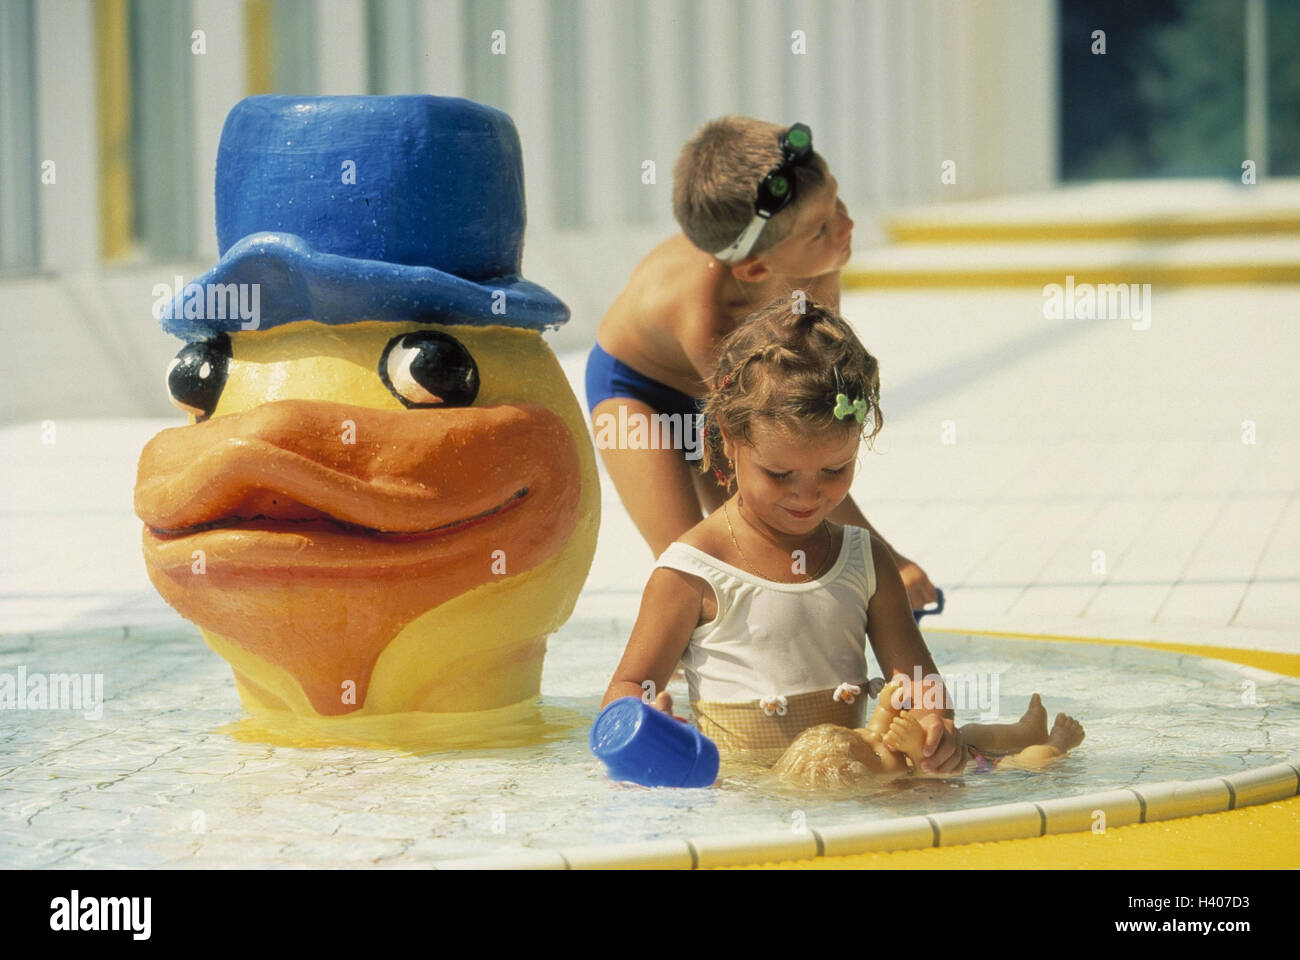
[
  {"x": 113, "y": 109},
  {"x": 257, "y": 46}
]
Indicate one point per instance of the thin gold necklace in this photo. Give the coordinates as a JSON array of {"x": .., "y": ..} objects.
[{"x": 726, "y": 513}]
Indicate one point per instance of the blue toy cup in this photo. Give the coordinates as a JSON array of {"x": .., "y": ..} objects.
[{"x": 643, "y": 745}]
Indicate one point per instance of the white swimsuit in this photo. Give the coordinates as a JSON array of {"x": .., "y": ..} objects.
[{"x": 771, "y": 643}]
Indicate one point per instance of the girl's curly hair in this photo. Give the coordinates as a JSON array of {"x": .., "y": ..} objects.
[{"x": 786, "y": 368}]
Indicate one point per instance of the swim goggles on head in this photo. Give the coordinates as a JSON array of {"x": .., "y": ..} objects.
[{"x": 775, "y": 193}]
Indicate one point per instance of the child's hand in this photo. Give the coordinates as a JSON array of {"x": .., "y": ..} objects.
[
  {"x": 944, "y": 744},
  {"x": 664, "y": 703},
  {"x": 920, "y": 591}
]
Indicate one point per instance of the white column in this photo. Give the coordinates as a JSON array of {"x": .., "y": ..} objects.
[
  {"x": 965, "y": 126},
  {"x": 985, "y": 113},
  {"x": 1019, "y": 80},
  {"x": 1049, "y": 105},
  {"x": 341, "y": 47},
  {"x": 629, "y": 88},
  {"x": 936, "y": 102},
  {"x": 528, "y": 91},
  {"x": 1257, "y": 85},
  {"x": 765, "y": 44},
  {"x": 907, "y": 83},
  {"x": 18, "y": 167},
  {"x": 877, "y": 133},
  {"x": 442, "y": 60},
  {"x": 809, "y": 101},
  {"x": 66, "y": 133},
  {"x": 838, "y": 138},
  {"x": 403, "y": 24},
  {"x": 218, "y": 84},
  {"x": 609, "y": 177},
  {"x": 720, "y": 76},
  {"x": 664, "y": 103}
]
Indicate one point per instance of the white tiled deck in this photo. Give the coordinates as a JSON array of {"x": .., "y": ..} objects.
[{"x": 1071, "y": 437}]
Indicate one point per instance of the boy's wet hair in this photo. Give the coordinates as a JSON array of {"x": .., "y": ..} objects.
[
  {"x": 785, "y": 368},
  {"x": 716, "y": 178}
]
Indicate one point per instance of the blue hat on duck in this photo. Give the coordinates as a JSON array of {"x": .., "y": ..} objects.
[{"x": 346, "y": 209}]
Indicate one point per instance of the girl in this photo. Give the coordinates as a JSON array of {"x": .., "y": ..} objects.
[{"x": 765, "y": 602}]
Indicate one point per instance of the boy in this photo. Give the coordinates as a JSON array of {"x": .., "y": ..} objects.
[{"x": 761, "y": 217}]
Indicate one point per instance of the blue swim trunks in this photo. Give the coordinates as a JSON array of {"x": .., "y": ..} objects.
[{"x": 608, "y": 377}]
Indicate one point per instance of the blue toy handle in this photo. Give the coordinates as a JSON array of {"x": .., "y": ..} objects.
[
  {"x": 926, "y": 611},
  {"x": 643, "y": 745}
]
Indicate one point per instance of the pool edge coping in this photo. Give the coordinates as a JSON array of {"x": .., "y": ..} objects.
[{"x": 1121, "y": 806}]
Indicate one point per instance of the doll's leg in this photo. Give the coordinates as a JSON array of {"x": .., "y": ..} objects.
[
  {"x": 1004, "y": 738},
  {"x": 1067, "y": 733},
  {"x": 884, "y": 713},
  {"x": 907, "y": 737},
  {"x": 891, "y": 761}
]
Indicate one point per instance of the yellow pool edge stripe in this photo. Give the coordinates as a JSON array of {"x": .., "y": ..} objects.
[
  {"x": 1257, "y": 837},
  {"x": 1192, "y": 274},
  {"x": 912, "y": 230},
  {"x": 1287, "y": 664}
]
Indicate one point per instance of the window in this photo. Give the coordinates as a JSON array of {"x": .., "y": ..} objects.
[{"x": 1168, "y": 97}]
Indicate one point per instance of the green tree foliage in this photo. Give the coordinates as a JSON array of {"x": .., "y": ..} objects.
[{"x": 1168, "y": 96}]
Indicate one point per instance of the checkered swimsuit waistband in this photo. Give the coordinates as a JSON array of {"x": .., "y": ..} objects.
[{"x": 758, "y": 726}]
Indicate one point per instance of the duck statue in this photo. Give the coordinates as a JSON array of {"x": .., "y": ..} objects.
[{"x": 386, "y": 497}]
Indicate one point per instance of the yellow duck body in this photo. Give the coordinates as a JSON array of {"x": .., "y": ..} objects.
[{"x": 260, "y": 523}]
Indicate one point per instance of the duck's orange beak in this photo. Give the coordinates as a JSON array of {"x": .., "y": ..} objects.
[{"x": 326, "y": 527}]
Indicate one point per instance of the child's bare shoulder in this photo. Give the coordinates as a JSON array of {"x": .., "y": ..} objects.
[
  {"x": 705, "y": 536},
  {"x": 682, "y": 582},
  {"x": 673, "y": 286}
]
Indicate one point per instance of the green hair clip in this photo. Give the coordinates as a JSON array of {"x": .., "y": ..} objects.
[{"x": 844, "y": 407}]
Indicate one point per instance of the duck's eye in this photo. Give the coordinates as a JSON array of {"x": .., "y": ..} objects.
[
  {"x": 429, "y": 369},
  {"x": 197, "y": 375}
]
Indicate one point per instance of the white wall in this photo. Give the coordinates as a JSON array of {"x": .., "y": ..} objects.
[
  {"x": 66, "y": 133},
  {"x": 891, "y": 89},
  {"x": 218, "y": 86}
]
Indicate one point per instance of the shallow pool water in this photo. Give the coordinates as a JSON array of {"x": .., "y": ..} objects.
[{"x": 159, "y": 779}]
